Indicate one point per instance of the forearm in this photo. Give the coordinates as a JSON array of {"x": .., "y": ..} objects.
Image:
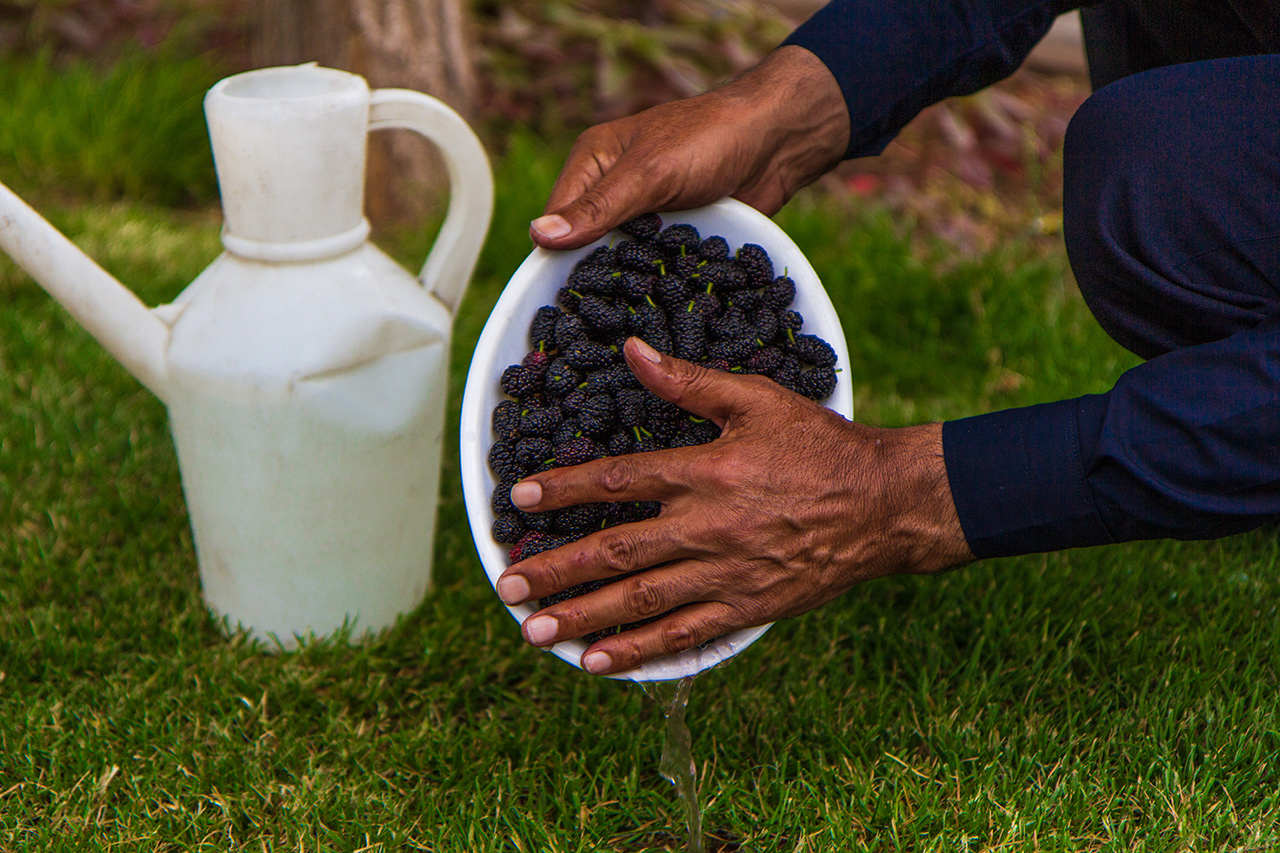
[
  {"x": 1183, "y": 447},
  {"x": 892, "y": 58}
]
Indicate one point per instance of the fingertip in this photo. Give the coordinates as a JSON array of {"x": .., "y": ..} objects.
[
  {"x": 526, "y": 494},
  {"x": 642, "y": 350},
  {"x": 550, "y": 227},
  {"x": 597, "y": 663},
  {"x": 513, "y": 589}
]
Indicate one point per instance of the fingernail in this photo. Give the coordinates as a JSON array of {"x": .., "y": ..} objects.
[
  {"x": 540, "y": 630},
  {"x": 526, "y": 494},
  {"x": 596, "y": 662},
  {"x": 647, "y": 352},
  {"x": 551, "y": 226},
  {"x": 513, "y": 589}
]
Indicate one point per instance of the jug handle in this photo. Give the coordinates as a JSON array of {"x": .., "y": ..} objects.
[{"x": 452, "y": 259}]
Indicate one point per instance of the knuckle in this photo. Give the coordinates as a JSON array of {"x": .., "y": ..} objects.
[
  {"x": 557, "y": 490},
  {"x": 618, "y": 552},
  {"x": 644, "y": 597},
  {"x": 594, "y": 206},
  {"x": 571, "y": 620},
  {"x": 677, "y": 636},
  {"x": 618, "y": 474}
]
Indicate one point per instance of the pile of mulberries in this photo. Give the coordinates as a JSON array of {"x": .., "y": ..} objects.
[{"x": 573, "y": 398}]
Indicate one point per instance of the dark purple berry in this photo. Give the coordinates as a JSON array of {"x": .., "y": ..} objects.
[
  {"x": 755, "y": 261},
  {"x": 603, "y": 315},
  {"x": 671, "y": 292},
  {"x": 507, "y": 528},
  {"x": 592, "y": 278},
  {"x": 500, "y": 502},
  {"x": 620, "y": 443},
  {"x": 561, "y": 378},
  {"x": 714, "y": 249},
  {"x": 566, "y": 430},
  {"x": 816, "y": 384},
  {"x": 502, "y": 459},
  {"x": 636, "y": 255},
  {"x": 610, "y": 379},
  {"x": 765, "y": 322},
  {"x": 589, "y": 355},
  {"x": 780, "y": 293},
  {"x": 532, "y": 452},
  {"x": 723, "y": 275},
  {"x": 680, "y": 239},
  {"x": 539, "y": 422},
  {"x": 542, "y": 330},
  {"x": 568, "y": 299},
  {"x": 765, "y": 361},
  {"x": 580, "y": 520},
  {"x": 569, "y": 330},
  {"x": 634, "y": 286},
  {"x": 598, "y": 417},
  {"x": 520, "y": 382},
  {"x": 576, "y": 451},
  {"x": 574, "y": 401},
  {"x": 688, "y": 333},
  {"x": 812, "y": 349},
  {"x": 643, "y": 227},
  {"x": 506, "y": 420}
]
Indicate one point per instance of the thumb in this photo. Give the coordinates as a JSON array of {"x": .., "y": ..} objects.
[
  {"x": 706, "y": 393},
  {"x": 618, "y": 196}
]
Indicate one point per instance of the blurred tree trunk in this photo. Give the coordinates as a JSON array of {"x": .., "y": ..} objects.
[{"x": 415, "y": 44}]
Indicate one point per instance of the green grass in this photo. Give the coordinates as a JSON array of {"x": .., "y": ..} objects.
[
  {"x": 134, "y": 128},
  {"x": 1113, "y": 699}
]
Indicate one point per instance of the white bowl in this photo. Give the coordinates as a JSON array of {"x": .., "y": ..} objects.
[{"x": 505, "y": 341}]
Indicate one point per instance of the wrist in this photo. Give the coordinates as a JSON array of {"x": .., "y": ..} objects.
[
  {"x": 792, "y": 100},
  {"x": 921, "y": 519}
]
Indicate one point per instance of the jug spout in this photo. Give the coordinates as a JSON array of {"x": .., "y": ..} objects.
[{"x": 107, "y": 309}]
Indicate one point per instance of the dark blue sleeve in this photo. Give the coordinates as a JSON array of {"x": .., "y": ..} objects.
[
  {"x": 893, "y": 58},
  {"x": 1185, "y": 446}
]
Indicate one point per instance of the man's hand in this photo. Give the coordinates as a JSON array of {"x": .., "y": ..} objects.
[
  {"x": 759, "y": 137},
  {"x": 789, "y": 508}
]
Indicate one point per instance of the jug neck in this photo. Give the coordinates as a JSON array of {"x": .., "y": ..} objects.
[
  {"x": 294, "y": 251},
  {"x": 289, "y": 149}
]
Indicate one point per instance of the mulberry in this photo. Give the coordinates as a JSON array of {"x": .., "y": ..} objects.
[
  {"x": 589, "y": 355},
  {"x": 755, "y": 261},
  {"x": 561, "y": 378},
  {"x": 507, "y": 528},
  {"x": 603, "y": 315},
  {"x": 812, "y": 349},
  {"x": 543, "y": 329},
  {"x": 598, "y": 417},
  {"x": 780, "y": 294},
  {"x": 576, "y": 451},
  {"x": 643, "y": 227},
  {"x": 520, "y": 382},
  {"x": 680, "y": 239}
]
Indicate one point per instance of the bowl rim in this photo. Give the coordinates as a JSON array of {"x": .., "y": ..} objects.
[{"x": 476, "y": 432}]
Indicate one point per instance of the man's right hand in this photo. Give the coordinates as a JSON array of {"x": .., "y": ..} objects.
[{"x": 759, "y": 138}]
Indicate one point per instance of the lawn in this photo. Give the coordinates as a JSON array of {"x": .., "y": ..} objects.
[{"x": 1121, "y": 698}]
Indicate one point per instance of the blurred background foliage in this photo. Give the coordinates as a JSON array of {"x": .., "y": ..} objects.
[
  {"x": 572, "y": 63},
  {"x": 101, "y": 98}
]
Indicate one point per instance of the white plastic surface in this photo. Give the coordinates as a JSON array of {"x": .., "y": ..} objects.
[
  {"x": 304, "y": 371},
  {"x": 505, "y": 341}
]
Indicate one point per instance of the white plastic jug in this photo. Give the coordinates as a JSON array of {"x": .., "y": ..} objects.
[{"x": 304, "y": 371}]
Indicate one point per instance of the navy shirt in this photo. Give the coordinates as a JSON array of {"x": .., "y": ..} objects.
[{"x": 1186, "y": 445}]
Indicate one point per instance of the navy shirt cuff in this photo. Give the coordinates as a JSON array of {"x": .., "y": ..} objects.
[{"x": 1018, "y": 479}]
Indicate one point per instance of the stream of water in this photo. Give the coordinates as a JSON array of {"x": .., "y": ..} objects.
[{"x": 677, "y": 765}]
